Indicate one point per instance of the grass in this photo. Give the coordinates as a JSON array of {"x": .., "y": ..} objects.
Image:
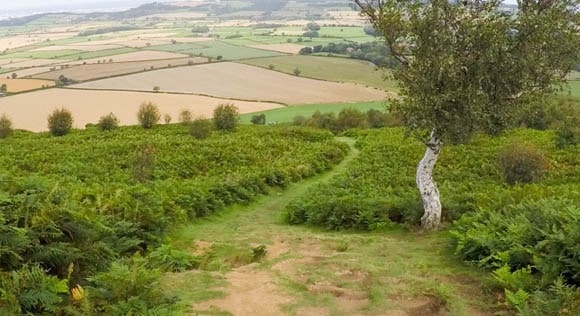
[
  {"x": 287, "y": 114},
  {"x": 398, "y": 267},
  {"x": 42, "y": 54},
  {"x": 102, "y": 53},
  {"x": 574, "y": 88},
  {"x": 217, "y": 48},
  {"x": 328, "y": 68}
]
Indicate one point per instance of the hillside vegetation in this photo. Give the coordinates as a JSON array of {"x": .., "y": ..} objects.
[{"x": 80, "y": 212}]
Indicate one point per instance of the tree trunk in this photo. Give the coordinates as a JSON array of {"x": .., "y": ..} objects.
[{"x": 427, "y": 187}]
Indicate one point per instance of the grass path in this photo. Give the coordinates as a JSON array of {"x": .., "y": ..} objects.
[{"x": 307, "y": 271}]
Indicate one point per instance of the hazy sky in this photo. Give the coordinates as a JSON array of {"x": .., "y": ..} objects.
[{"x": 31, "y": 4}]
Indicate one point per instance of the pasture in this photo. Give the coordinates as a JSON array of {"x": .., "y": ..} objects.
[
  {"x": 29, "y": 111},
  {"x": 215, "y": 49},
  {"x": 328, "y": 68},
  {"x": 232, "y": 80},
  {"x": 110, "y": 69},
  {"x": 288, "y": 113}
]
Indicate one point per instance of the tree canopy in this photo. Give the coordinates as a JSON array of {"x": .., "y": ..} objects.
[{"x": 470, "y": 65}]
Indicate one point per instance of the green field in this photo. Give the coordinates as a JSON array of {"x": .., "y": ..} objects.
[
  {"x": 215, "y": 49},
  {"x": 287, "y": 114},
  {"x": 574, "y": 88},
  {"x": 329, "y": 68},
  {"x": 55, "y": 54}
]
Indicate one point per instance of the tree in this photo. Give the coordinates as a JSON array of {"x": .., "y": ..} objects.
[
  {"x": 60, "y": 122},
  {"x": 259, "y": 119},
  {"x": 466, "y": 67},
  {"x": 5, "y": 126},
  {"x": 148, "y": 114},
  {"x": 226, "y": 117},
  {"x": 297, "y": 71},
  {"x": 3, "y": 88},
  {"x": 313, "y": 26}
]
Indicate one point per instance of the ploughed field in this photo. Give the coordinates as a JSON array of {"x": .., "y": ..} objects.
[
  {"x": 30, "y": 111},
  {"x": 237, "y": 81}
]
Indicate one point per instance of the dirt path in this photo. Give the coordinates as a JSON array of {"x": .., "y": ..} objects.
[{"x": 311, "y": 272}]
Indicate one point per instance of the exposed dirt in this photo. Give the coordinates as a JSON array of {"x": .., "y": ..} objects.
[
  {"x": 249, "y": 293},
  {"x": 230, "y": 80}
]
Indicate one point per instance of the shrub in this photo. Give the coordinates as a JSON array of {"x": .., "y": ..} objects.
[
  {"x": 60, "y": 122},
  {"x": 108, "y": 122},
  {"x": 323, "y": 120},
  {"x": 297, "y": 71},
  {"x": 185, "y": 116},
  {"x": 167, "y": 258},
  {"x": 350, "y": 118},
  {"x": 167, "y": 118},
  {"x": 148, "y": 114},
  {"x": 5, "y": 126},
  {"x": 200, "y": 128},
  {"x": 226, "y": 117},
  {"x": 299, "y": 120},
  {"x": 567, "y": 135},
  {"x": 144, "y": 163},
  {"x": 521, "y": 163},
  {"x": 259, "y": 119}
]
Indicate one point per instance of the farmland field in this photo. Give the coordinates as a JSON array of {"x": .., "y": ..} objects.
[
  {"x": 215, "y": 49},
  {"x": 109, "y": 69},
  {"x": 328, "y": 68},
  {"x": 287, "y": 114},
  {"x": 21, "y": 85},
  {"x": 29, "y": 111},
  {"x": 230, "y": 80}
]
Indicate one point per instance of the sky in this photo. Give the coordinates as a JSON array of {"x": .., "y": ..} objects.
[{"x": 22, "y": 7}]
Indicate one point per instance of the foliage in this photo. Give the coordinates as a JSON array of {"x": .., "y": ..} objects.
[
  {"x": 521, "y": 163},
  {"x": 468, "y": 66},
  {"x": 64, "y": 200},
  {"x": 30, "y": 290},
  {"x": 185, "y": 116},
  {"x": 377, "y": 191},
  {"x": 60, "y": 122},
  {"x": 297, "y": 71},
  {"x": 144, "y": 163},
  {"x": 167, "y": 118},
  {"x": 5, "y": 126},
  {"x": 129, "y": 287},
  {"x": 148, "y": 115},
  {"x": 348, "y": 118},
  {"x": 226, "y": 117},
  {"x": 167, "y": 258},
  {"x": 259, "y": 119},
  {"x": 108, "y": 122},
  {"x": 375, "y": 52},
  {"x": 200, "y": 128}
]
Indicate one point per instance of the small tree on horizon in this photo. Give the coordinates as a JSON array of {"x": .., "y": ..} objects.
[
  {"x": 5, "y": 126},
  {"x": 148, "y": 114},
  {"x": 468, "y": 66},
  {"x": 226, "y": 117},
  {"x": 60, "y": 122}
]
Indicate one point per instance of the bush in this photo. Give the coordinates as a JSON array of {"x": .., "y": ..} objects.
[
  {"x": 144, "y": 163},
  {"x": 5, "y": 126},
  {"x": 299, "y": 120},
  {"x": 60, "y": 122},
  {"x": 259, "y": 119},
  {"x": 521, "y": 163},
  {"x": 200, "y": 128},
  {"x": 148, "y": 114},
  {"x": 108, "y": 122},
  {"x": 226, "y": 117},
  {"x": 567, "y": 135},
  {"x": 167, "y": 258},
  {"x": 167, "y": 118},
  {"x": 350, "y": 118},
  {"x": 185, "y": 116}
]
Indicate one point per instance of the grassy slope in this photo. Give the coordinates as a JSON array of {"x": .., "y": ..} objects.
[
  {"x": 287, "y": 114},
  {"x": 328, "y": 68},
  {"x": 394, "y": 268}
]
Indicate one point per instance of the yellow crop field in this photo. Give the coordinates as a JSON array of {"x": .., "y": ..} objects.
[
  {"x": 104, "y": 70},
  {"x": 30, "y": 111},
  {"x": 21, "y": 85},
  {"x": 238, "y": 81}
]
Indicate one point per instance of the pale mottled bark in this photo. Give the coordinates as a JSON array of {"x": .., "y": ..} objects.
[{"x": 427, "y": 187}]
